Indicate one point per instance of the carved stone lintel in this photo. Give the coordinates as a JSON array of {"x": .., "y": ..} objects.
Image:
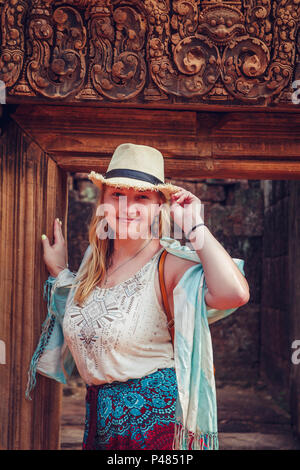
[
  {"x": 118, "y": 68},
  {"x": 221, "y": 23},
  {"x": 153, "y": 93},
  {"x": 114, "y": 50},
  {"x": 58, "y": 38},
  {"x": 13, "y": 41}
]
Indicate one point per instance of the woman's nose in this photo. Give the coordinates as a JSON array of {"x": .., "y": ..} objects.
[
  {"x": 133, "y": 210},
  {"x": 130, "y": 209}
]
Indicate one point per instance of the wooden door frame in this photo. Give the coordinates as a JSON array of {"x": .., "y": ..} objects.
[
  {"x": 227, "y": 144},
  {"x": 64, "y": 138}
]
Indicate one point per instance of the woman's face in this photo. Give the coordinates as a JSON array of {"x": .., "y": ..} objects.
[{"x": 130, "y": 212}]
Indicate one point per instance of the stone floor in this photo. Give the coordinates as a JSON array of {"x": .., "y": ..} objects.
[{"x": 248, "y": 417}]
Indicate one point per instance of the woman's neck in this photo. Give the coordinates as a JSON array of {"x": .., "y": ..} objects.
[{"x": 125, "y": 248}]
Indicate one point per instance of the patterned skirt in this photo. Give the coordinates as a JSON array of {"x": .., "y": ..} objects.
[{"x": 137, "y": 414}]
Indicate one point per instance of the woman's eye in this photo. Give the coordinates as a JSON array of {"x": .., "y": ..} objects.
[{"x": 117, "y": 194}]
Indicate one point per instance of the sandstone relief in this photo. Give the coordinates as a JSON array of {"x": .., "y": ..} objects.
[{"x": 180, "y": 51}]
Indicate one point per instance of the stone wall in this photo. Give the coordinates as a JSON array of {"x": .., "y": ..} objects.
[
  {"x": 233, "y": 211},
  {"x": 280, "y": 324},
  {"x": 293, "y": 318},
  {"x": 275, "y": 318},
  {"x": 82, "y": 197}
]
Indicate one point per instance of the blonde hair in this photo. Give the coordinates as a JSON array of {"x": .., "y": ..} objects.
[{"x": 94, "y": 269}]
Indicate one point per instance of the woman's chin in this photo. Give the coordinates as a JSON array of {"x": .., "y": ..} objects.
[{"x": 132, "y": 231}]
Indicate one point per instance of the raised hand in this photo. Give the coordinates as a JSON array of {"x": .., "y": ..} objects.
[
  {"x": 55, "y": 256},
  {"x": 186, "y": 209}
]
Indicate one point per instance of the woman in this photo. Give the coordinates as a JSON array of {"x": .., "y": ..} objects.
[{"x": 114, "y": 321}]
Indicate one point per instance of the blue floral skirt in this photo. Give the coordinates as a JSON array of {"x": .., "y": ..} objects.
[{"x": 137, "y": 414}]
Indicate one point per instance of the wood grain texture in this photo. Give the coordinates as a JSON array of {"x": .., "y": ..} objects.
[
  {"x": 199, "y": 144},
  {"x": 32, "y": 194}
]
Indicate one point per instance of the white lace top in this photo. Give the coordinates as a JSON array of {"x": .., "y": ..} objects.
[{"x": 120, "y": 332}]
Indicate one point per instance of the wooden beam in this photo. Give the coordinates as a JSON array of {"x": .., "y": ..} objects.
[{"x": 203, "y": 145}]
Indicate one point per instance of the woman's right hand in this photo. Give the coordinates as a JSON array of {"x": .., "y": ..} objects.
[{"x": 55, "y": 256}]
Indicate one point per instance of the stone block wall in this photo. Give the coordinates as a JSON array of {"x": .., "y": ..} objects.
[
  {"x": 275, "y": 314},
  {"x": 293, "y": 293},
  {"x": 233, "y": 211},
  {"x": 82, "y": 197},
  {"x": 280, "y": 319}
]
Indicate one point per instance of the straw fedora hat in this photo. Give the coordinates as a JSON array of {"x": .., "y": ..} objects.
[{"x": 135, "y": 166}]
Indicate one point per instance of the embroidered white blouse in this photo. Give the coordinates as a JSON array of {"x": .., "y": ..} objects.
[{"x": 120, "y": 332}]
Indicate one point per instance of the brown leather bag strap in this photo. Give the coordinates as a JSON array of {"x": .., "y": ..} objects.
[
  {"x": 164, "y": 295},
  {"x": 163, "y": 290}
]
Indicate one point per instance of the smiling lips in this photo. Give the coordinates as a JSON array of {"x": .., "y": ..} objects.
[{"x": 127, "y": 220}]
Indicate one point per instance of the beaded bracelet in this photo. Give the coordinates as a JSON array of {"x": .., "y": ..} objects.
[{"x": 195, "y": 226}]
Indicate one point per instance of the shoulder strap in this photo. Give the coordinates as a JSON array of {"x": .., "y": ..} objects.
[
  {"x": 163, "y": 290},
  {"x": 164, "y": 295}
]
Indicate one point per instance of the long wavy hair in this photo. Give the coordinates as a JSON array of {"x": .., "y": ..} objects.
[{"x": 94, "y": 268}]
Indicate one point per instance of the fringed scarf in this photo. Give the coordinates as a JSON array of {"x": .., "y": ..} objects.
[{"x": 196, "y": 407}]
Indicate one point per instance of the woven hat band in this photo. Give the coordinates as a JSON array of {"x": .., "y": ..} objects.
[{"x": 135, "y": 174}]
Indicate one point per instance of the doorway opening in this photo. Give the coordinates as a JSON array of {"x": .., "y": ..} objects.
[{"x": 253, "y": 220}]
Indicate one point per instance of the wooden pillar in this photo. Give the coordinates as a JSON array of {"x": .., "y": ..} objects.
[{"x": 33, "y": 192}]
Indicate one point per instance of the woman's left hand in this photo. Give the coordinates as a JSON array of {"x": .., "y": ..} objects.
[{"x": 186, "y": 209}]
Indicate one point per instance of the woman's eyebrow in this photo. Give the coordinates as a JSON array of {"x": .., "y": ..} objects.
[{"x": 117, "y": 190}]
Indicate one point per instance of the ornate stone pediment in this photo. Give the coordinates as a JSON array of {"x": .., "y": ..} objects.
[{"x": 171, "y": 51}]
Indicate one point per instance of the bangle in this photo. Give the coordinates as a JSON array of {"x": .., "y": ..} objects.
[{"x": 188, "y": 235}]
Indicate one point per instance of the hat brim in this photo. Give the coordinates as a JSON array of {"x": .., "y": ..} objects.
[{"x": 120, "y": 182}]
